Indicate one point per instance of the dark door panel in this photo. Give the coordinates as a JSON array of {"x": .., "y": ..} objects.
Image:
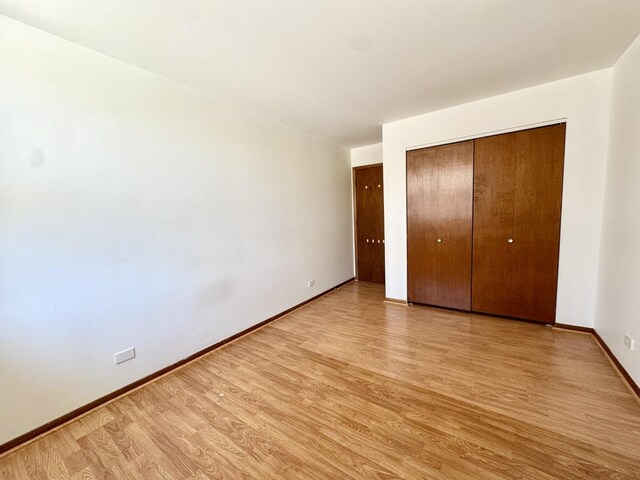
[{"x": 369, "y": 200}]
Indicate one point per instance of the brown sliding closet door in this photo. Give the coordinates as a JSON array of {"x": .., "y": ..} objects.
[
  {"x": 439, "y": 208},
  {"x": 516, "y": 223}
]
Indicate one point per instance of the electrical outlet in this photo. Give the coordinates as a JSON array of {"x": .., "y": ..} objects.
[
  {"x": 311, "y": 283},
  {"x": 124, "y": 355},
  {"x": 628, "y": 341}
]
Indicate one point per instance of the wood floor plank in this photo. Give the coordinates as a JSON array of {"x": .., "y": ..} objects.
[{"x": 351, "y": 387}]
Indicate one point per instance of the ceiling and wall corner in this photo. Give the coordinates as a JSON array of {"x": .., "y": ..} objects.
[
  {"x": 367, "y": 155},
  {"x": 339, "y": 69}
]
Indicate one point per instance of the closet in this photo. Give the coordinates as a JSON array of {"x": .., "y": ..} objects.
[{"x": 483, "y": 223}]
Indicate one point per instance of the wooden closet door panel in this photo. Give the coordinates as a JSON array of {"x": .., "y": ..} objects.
[
  {"x": 422, "y": 226},
  {"x": 493, "y": 213},
  {"x": 517, "y": 196},
  {"x": 439, "y": 208},
  {"x": 455, "y": 210},
  {"x": 370, "y": 223}
]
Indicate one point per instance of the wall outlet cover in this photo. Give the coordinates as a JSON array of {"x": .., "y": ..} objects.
[
  {"x": 628, "y": 341},
  {"x": 124, "y": 355}
]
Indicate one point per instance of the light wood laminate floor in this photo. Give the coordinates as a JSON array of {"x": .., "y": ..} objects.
[{"x": 352, "y": 387}]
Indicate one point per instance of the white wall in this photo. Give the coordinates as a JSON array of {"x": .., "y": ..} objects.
[
  {"x": 584, "y": 102},
  {"x": 618, "y": 308},
  {"x": 366, "y": 155},
  {"x": 134, "y": 212}
]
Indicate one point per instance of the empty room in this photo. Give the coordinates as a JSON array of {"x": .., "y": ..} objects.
[{"x": 320, "y": 239}]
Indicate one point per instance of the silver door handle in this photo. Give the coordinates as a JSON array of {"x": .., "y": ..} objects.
[{"x": 509, "y": 240}]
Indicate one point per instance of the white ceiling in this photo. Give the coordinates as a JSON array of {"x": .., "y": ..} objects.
[{"x": 338, "y": 69}]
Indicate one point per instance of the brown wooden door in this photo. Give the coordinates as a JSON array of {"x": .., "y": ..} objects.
[
  {"x": 439, "y": 225},
  {"x": 369, "y": 223},
  {"x": 516, "y": 229}
]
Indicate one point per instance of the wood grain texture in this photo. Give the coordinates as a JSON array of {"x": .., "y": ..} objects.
[
  {"x": 439, "y": 225},
  {"x": 351, "y": 387},
  {"x": 369, "y": 220},
  {"x": 516, "y": 223}
]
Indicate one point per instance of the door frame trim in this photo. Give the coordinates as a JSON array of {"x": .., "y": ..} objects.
[
  {"x": 491, "y": 133},
  {"x": 355, "y": 210}
]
